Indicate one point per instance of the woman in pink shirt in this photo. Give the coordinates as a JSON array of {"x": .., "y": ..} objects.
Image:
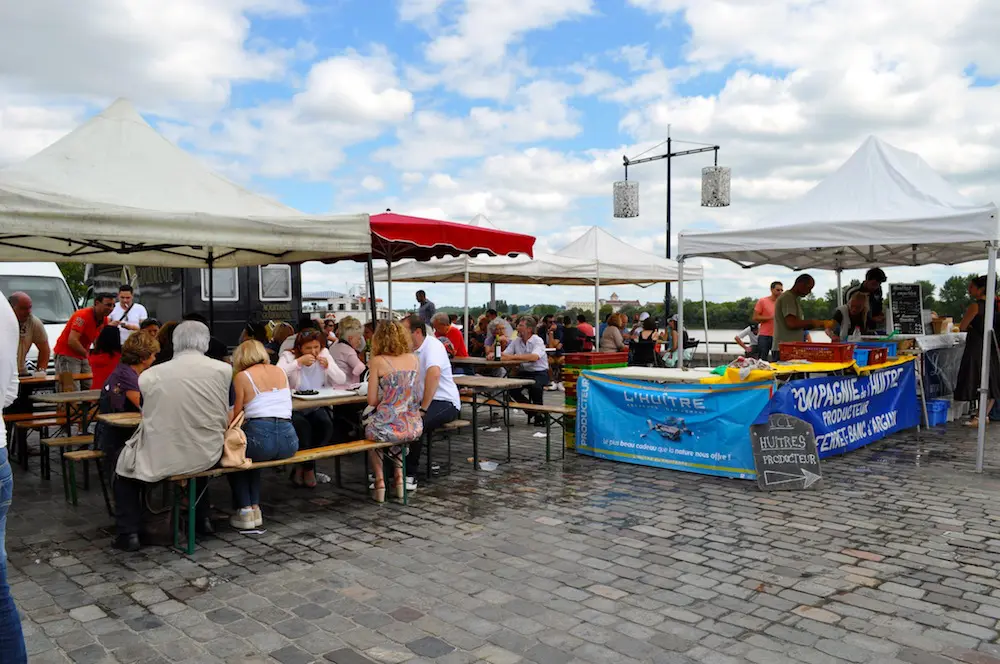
[{"x": 350, "y": 342}]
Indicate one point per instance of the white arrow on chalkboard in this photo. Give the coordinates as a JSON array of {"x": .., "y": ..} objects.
[{"x": 773, "y": 477}]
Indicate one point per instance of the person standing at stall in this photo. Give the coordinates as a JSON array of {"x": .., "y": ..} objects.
[
  {"x": 970, "y": 370},
  {"x": 790, "y": 324},
  {"x": 763, "y": 314},
  {"x": 872, "y": 287}
]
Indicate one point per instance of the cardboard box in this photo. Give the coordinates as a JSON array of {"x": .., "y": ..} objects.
[{"x": 942, "y": 325}]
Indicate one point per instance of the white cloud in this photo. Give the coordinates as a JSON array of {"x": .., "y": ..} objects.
[
  {"x": 27, "y": 126},
  {"x": 353, "y": 88},
  {"x": 372, "y": 183},
  {"x": 185, "y": 51}
]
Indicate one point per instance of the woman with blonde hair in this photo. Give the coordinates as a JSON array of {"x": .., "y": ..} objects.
[
  {"x": 345, "y": 352},
  {"x": 392, "y": 376},
  {"x": 265, "y": 400}
]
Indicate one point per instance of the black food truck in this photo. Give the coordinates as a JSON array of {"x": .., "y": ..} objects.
[{"x": 243, "y": 294}]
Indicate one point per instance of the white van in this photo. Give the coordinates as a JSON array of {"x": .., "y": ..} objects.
[{"x": 52, "y": 301}]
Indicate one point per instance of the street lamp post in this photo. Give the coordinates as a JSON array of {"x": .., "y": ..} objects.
[{"x": 714, "y": 189}]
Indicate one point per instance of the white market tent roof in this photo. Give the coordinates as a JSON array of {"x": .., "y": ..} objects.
[
  {"x": 595, "y": 256},
  {"x": 883, "y": 206},
  {"x": 114, "y": 190}
]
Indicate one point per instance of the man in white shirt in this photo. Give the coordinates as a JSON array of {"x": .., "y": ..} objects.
[
  {"x": 435, "y": 388},
  {"x": 529, "y": 348},
  {"x": 128, "y": 312},
  {"x": 11, "y": 635}
]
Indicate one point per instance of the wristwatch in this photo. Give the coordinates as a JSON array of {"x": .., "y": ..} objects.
[{"x": 423, "y": 410}]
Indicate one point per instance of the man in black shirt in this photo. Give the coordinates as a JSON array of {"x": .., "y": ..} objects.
[{"x": 872, "y": 287}]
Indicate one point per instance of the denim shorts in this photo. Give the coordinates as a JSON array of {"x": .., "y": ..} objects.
[{"x": 269, "y": 439}]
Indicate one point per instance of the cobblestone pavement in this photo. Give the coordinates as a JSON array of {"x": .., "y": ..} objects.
[{"x": 894, "y": 559}]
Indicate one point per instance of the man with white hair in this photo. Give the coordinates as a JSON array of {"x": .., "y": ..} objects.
[
  {"x": 185, "y": 412},
  {"x": 444, "y": 329}
]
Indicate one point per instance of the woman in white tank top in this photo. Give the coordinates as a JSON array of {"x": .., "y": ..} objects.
[{"x": 264, "y": 398}]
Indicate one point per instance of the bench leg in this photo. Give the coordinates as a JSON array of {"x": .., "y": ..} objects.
[
  {"x": 104, "y": 487},
  {"x": 175, "y": 518},
  {"x": 475, "y": 434},
  {"x": 72, "y": 481},
  {"x": 22, "y": 436},
  {"x": 427, "y": 436},
  {"x": 86, "y": 475},
  {"x": 65, "y": 479},
  {"x": 548, "y": 438},
  {"x": 192, "y": 514},
  {"x": 402, "y": 456},
  {"x": 336, "y": 473}
]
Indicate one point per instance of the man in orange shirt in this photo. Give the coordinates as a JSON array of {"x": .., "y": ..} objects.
[
  {"x": 763, "y": 313},
  {"x": 72, "y": 349}
]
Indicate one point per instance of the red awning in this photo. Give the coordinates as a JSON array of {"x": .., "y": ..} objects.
[{"x": 397, "y": 236}]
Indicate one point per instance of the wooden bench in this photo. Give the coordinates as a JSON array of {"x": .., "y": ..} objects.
[
  {"x": 316, "y": 454},
  {"x": 555, "y": 413},
  {"x": 446, "y": 429},
  {"x": 23, "y": 423},
  {"x": 61, "y": 443},
  {"x": 86, "y": 456}
]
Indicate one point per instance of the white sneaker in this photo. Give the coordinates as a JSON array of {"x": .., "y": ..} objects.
[
  {"x": 258, "y": 518},
  {"x": 411, "y": 483},
  {"x": 244, "y": 519},
  {"x": 561, "y": 387}
]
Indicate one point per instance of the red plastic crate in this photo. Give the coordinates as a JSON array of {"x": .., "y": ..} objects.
[
  {"x": 875, "y": 355},
  {"x": 817, "y": 352},
  {"x": 595, "y": 359}
]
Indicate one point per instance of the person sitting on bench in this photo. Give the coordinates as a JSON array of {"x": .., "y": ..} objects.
[
  {"x": 435, "y": 389},
  {"x": 185, "y": 412},
  {"x": 529, "y": 348}
]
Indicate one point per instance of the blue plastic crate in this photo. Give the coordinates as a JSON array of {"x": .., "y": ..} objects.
[
  {"x": 891, "y": 346},
  {"x": 937, "y": 412}
]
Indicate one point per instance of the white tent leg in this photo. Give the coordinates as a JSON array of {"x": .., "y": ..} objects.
[
  {"x": 680, "y": 314},
  {"x": 840, "y": 292},
  {"x": 388, "y": 299},
  {"x": 704, "y": 317},
  {"x": 984, "y": 380},
  {"x": 597, "y": 311},
  {"x": 465, "y": 321}
]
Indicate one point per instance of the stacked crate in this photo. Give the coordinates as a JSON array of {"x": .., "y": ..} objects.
[{"x": 574, "y": 364}]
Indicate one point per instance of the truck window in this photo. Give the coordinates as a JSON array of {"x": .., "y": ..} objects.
[
  {"x": 275, "y": 283},
  {"x": 51, "y": 300},
  {"x": 226, "y": 284}
]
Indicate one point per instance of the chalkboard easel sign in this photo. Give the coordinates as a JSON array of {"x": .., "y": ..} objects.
[
  {"x": 906, "y": 308},
  {"x": 784, "y": 453}
]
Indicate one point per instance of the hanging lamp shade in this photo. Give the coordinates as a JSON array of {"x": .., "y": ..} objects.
[
  {"x": 715, "y": 186},
  {"x": 626, "y": 199}
]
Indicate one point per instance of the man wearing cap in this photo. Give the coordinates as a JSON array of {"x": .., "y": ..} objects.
[{"x": 872, "y": 287}]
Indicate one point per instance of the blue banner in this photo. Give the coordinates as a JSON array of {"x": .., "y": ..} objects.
[
  {"x": 696, "y": 428},
  {"x": 848, "y": 412}
]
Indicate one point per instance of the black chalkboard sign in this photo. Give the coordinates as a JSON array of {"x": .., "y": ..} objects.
[
  {"x": 784, "y": 453},
  {"x": 906, "y": 308}
]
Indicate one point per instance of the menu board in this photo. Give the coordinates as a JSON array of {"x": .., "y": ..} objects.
[
  {"x": 784, "y": 453},
  {"x": 906, "y": 304}
]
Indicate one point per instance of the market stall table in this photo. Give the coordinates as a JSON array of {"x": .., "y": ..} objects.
[
  {"x": 481, "y": 363},
  {"x": 77, "y": 404},
  {"x": 496, "y": 389},
  {"x": 31, "y": 379}
]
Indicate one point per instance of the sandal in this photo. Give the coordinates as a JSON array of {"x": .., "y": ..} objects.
[{"x": 378, "y": 493}]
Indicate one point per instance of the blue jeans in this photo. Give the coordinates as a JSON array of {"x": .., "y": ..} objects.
[
  {"x": 11, "y": 638},
  {"x": 267, "y": 439},
  {"x": 764, "y": 346}
]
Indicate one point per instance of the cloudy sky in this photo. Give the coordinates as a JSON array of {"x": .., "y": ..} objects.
[{"x": 521, "y": 109}]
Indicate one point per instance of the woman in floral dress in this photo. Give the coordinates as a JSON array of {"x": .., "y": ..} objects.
[{"x": 392, "y": 375}]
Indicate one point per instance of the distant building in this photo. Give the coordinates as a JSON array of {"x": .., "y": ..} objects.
[
  {"x": 614, "y": 302},
  {"x": 333, "y": 304}
]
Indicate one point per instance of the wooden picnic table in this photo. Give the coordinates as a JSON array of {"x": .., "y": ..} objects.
[
  {"x": 29, "y": 379},
  {"x": 492, "y": 388},
  {"x": 77, "y": 405},
  {"x": 132, "y": 420},
  {"x": 483, "y": 363}
]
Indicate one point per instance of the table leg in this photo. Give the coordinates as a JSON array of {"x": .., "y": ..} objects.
[
  {"x": 176, "y": 514},
  {"x": 506, "y": 415},
  {"x": 192, "y": 512},
  {"x": 548, "y": 438},
  {"x": 475, "y": 434},
  {"x": 403, "y": 450}
]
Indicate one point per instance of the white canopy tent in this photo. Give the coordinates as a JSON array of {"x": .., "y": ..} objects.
[
  {"x": 596, "y": 258},
  {"x": 883, "y": 206},
  {"x": 115, "y": 190}
]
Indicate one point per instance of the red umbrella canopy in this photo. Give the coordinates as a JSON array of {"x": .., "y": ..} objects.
[{"x": 398, "y": 236}]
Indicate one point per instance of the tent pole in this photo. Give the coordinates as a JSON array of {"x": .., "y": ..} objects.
[
  {"x": 704, "y": 316},
  {"x": 465, "y": 321},
  {"x": 493, "y": 295},
  {"x": 680, "y": 314},
  {"x": 372, "y": 300},
  {"x": 988, "y": 344},
  {"x": 840, "y": 292},
  {"x": 388, "y": 274},
  {"x": 211, "y": 290},
  {"x": 597, "y": 311}
]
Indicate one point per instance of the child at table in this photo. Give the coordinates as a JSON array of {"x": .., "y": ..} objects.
[{"x": 105, "y": 355}]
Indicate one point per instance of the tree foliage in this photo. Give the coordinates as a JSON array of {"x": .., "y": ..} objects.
[{"x": 74, "y": 274}]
